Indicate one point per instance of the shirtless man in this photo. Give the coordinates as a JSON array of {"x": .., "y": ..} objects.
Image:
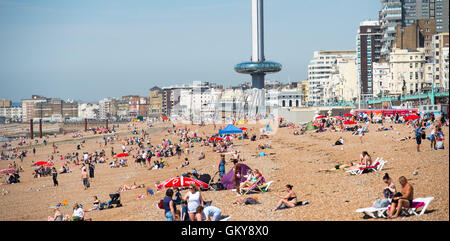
[
  {"x": 405, "y": 201},
  {"x": 84, "y": 176}
]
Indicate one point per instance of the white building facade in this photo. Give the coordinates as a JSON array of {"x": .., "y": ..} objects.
[
  {"x": 14, "y": 113},
  {"x": 407, "y": 71},
  {"x": 319, "y": 72},
  {"x": 381, "y": 79},
  {"x": 88, "y": 110}
]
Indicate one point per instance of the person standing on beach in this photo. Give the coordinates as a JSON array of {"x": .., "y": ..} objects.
[
  {"x": 84, "y": 177},
  {"x": 237, "y": 176},
  {"x": 418, "y": 135},
  {"x": 54, "y": 175},
  {"x": 169, "y": 206},
  {"x": 222, "y": 166},
  {"x": 91, "y": 170},
  {"x": 360, "y": 133}
]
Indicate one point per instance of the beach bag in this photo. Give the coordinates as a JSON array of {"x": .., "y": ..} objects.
[
  {"x": 251, "y": 201},
  {"x": 440, "y": 145},
  {"x": 381, "y": 203},
  {"x": 161, "y": 204},
  {"x": 218, "y": 186}
]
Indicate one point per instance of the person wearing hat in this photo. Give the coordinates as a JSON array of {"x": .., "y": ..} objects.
[{"x": 78, "y": 213}]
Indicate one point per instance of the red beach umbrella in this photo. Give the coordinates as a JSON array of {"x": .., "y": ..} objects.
[
  {"x": 348, "y": 115},
  {"x": 412, "y": 117},
  {"x": 40, "y": 163},
  {"x": 350, "y": 122},
  {"x": 182, "y": 182},
  {"x": 320, "y": 117},
  {"x": 243, "y": 128},
  {"x": 122, "y": 155}
]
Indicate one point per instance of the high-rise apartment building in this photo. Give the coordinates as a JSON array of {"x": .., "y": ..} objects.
[
  {"x": 390, "y": 16},
  {"x": 426, "y": 9},
  {"x": 368, "y": 51},
  {"x": 406, "y": 12},
  {"x": 419, "y": 34}
]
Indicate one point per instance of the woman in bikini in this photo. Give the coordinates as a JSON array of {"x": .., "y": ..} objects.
[{"x": 289, "y": 200}]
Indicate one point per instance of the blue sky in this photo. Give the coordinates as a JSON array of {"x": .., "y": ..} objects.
[{"x": 90, "y": 49}]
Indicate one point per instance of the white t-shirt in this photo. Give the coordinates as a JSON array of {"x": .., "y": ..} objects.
[
  {"x": 78, "y": 212},
  {"x": 211, "y": 211},
  {"x": 193, "y": 201}
]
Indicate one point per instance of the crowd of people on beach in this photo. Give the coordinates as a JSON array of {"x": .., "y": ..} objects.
[{"x": 179, "y": 145}]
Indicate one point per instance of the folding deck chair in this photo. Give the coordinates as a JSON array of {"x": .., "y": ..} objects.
[
  {"x": 378, "y": 166},
  {"x": 264, "y": 187},
  {"x": 416, "y": 204}
]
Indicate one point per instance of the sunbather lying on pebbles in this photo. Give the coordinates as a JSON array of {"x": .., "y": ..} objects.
[{"x": 124, "y": 187}]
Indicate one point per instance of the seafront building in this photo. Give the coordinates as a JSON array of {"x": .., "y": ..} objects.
[
  {"x": 319, "y": 72},
  {"x": 368, "y": 46},
  {"x": 28, "y": 107},
  {"x": 12, "y": 113},
  {"x": 407, "y": 71},
  {"x": 56, "y": 110},
  {"x": 381, "y": 79},
  {"x": 426, "y": 9},
  {"x": 88, "y": 110},
  {"x": 343, "y": 84},
  {"x": 418, "y": 34},
  {"x": 390, "y": 15},
  {"x": 406, "y": 13},
  {"x": 5, "y": 103},
  {"x": 155, "y": 102},
  {"x": 440, "y": 51}
]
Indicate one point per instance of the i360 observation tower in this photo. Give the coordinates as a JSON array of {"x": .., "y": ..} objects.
[{"x": 258, "y": 66}]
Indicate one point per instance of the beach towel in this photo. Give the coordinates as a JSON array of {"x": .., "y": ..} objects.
[
  {"x": 310, "y": 126},
  {"x": 300, "y": 203}
]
